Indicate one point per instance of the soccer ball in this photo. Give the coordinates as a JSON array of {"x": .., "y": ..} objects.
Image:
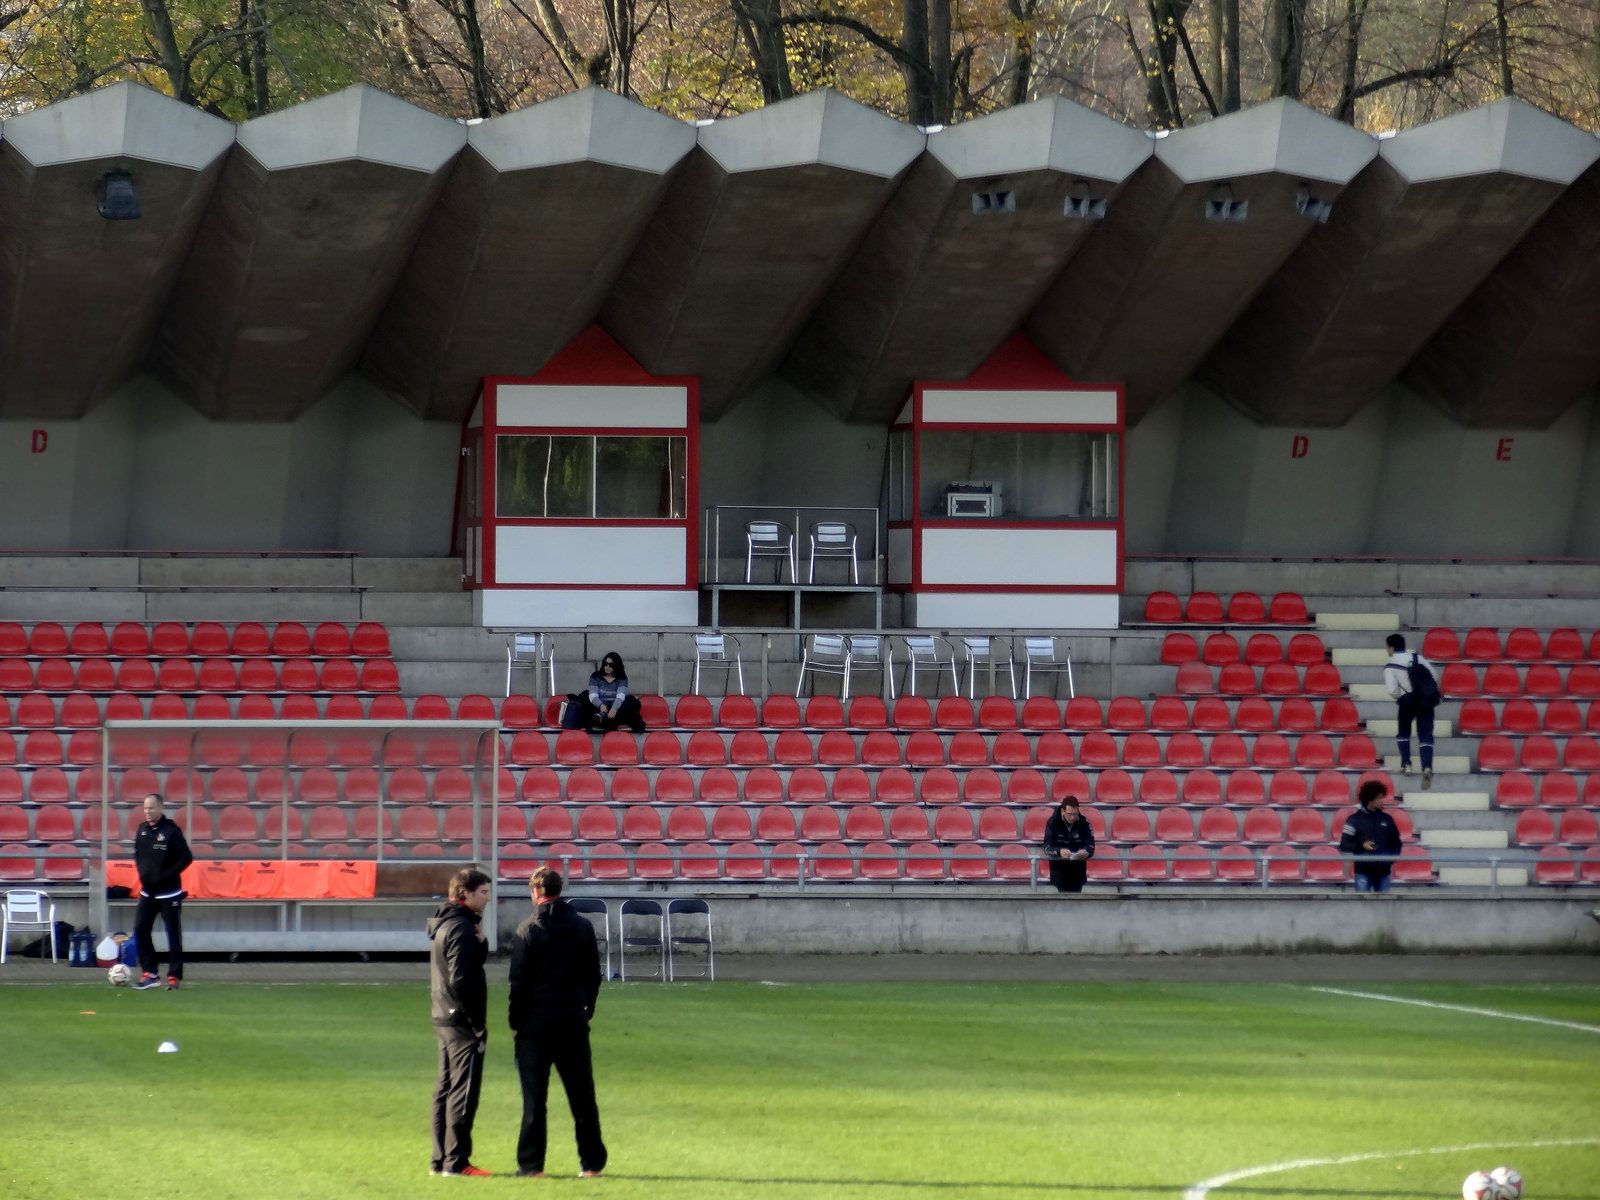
[
  {"x": 1478, "y": 1186},
  {"x": 120, "y": 975},
  {"x": 1509, "y": 1181}
]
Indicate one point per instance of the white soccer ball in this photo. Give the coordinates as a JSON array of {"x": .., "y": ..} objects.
[
  {"x": 121, "y": 975},
  {"x": 1509, "y": 1181}
]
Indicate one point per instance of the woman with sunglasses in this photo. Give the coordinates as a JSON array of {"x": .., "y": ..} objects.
[{"x": 605, "y": 702}]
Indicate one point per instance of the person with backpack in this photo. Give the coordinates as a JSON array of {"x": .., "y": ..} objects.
[{"x": 1414, "y": 683}]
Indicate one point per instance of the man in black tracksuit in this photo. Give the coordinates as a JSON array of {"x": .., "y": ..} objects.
[
  {"x": 460, "y": 1017},
  {"x": 160, "y": 854},
  {"x": 1370, "y": 830},
  {"x": 555, "y": 981},
  {"x": 1069, "y": 845}
]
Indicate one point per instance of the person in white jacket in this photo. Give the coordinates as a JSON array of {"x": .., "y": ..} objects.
[{"x": 1411, "y": 707}]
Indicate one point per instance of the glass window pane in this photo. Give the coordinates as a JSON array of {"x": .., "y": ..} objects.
[
  {"x": 641, "y": 477},
  {"x": 1037, "y": 475},
  {"x": 541, "y": 476}
]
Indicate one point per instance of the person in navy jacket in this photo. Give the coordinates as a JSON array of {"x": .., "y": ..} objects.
[
  {"x": 1371, "y": 831},
  {"x": 1069, "y": 845},
  {"x": 160, "y": 855}
]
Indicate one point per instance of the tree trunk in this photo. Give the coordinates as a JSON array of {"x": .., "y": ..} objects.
[
  {"x": 1286, "y": 46},
  {"x": 939, "y": 84},
  {"x": 257, "y": 43},
  {"x": 159, "y": 22},
  {"x": 1355, "y": 17},
  {"x": 1021, "y": 51},
  {"x": 763, "y": 35},
  {"x": 1228, "y": 35},
  {"x": 920, "y": 105},
  {"x": 1504, "y": 35},
  {"x": 1165, "y": 17},
  {"x": 580, "y": 68}
]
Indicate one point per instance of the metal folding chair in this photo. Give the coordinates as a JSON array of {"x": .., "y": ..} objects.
[
  {"x": 870, "y": 652},
  {"x": 1043, "y": 657},
  {"x": 825, "y": 654},
  {"x": 980, "y": 651},
  {"x": 769, "y": 539},
  {"x": 833, "y": 539},
  {"x": 693, "y": 940},
  {"x": 930, "y": 652},
  {"x": 594, "y": 906},
  {"x": 648, "y": 932},
  {"x": 529, "y": 651},
  {"x": 718, "y": 651}
]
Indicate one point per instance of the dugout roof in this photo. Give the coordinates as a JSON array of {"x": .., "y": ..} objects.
[{"x": 815, "y": 238}]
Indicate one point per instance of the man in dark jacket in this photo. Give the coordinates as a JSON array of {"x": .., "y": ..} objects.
[
  {"x": 460, "y": 1017},
  {"x": 555, "y": 981},
  {"x": 1369, "y": 831},
  {"x": 160, "y": 854},
  {"x": 1069, "y": 845}
]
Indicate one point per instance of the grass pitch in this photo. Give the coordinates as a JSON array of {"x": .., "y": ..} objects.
[{"x": 877, "y": 1091}]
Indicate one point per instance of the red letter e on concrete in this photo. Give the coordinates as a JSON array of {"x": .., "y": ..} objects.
[{"x": 1502, "y": 451}]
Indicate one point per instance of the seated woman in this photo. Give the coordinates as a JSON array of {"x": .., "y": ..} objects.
[{"x": 606, "y": 703}]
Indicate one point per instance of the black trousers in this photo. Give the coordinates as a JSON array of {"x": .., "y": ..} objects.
[
  {"x": 1069, "y": 876},
  {"x": 581, "y": 714},
  {"x": 455, "y": 1100},
  {"x": 564, "y": 1045},
  {"x": 1408, "y": 710},
  {"x": 144, "y": 927}
]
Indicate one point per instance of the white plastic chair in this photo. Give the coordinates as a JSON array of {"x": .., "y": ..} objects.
[
  {"x": 27, "y": 912},
  {"x": 930, "y": 652},
  {"x": 528, "y": 651},
  {"x": 1042, "y": 657},
  {"x": 685, "y": 936},
  {"x": 825, "y": 654},
  {"x": 769, "y": 539},
  {"x": 717, "y": 651},
  {"x": 833, "y": 539},
  {"x": 870, "y": 652},
  {"x": 980, "y": 651}
]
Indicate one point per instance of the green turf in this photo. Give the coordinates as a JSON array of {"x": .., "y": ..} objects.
[{"x": 831, "y": 1091}]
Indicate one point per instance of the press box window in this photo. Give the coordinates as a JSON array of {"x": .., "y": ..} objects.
[
  {"x": 1044, "y": 475},
  {"x": 590, "y": 477}
]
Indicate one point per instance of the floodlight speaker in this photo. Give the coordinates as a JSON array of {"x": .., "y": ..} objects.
[{"x": 116, "y": 197}]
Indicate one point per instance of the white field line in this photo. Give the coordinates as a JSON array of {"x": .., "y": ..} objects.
[
  {"x": 1461, "y": 1008},
  {"x": 1203, "y": 1189}
]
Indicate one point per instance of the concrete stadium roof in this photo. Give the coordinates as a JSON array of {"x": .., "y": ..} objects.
[{"x": 816, "y": 238}]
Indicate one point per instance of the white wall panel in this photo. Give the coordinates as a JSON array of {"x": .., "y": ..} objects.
[
  {"x": 589, "y": 554},
  {"x": 500, "y": 608},
  {"x": 1019, "y": 407},
  {"x": 617, "y": 407},
  {"x": 1026, "y": 556},
  {"x": 1026, "y": 610}
]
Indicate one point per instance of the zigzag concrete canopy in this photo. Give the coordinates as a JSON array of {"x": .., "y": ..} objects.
[
  {"x": 308, "y": 231},
  {"x": 1411, "y": 239},
  {"x": 1152, "y": 291},
  {"x": 961, "y": 254},
  {"x": 69, "y": 278},
  {"x": 816, "y": 238},
  {"x": 753, "y": 228},
  {"x": 539, "y": 215}
]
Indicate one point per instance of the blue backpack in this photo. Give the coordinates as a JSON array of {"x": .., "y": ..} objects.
[{"x": 1424, "y": 687}]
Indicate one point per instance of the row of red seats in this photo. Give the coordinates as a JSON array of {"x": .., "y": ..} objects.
[
  {"x": 1521, "y": 645},
  {"x": 1559, "y": 867},
  {"x": 207, "y": 639},
  {"x": 81, "y": 710},
  {"x": 1263, "y": 649},
  {"x": 1243, "y": 608},
  {"x": 257, "y": 748},
  {"x": 1516, "y": 789},
  {"x": 1538, "y": 753},
  {"x": 212, "y": 675},
  {"x": 1276, "y": 679},
  {"x": 925, "y": 748},
  {"x": 1526, "y": 716},
  {"x": 1460, "y": 680},
  {"x": 1543, "y": 827}
]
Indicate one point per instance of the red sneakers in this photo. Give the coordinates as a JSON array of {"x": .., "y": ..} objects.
[
  {"x": 475, "y": 1172},
  {"x": 173, "y": 983},
  {"x": 147, "y": 981}
]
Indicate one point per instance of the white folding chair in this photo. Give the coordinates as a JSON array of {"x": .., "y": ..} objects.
[
  {"x": 980, "y": 651},
  {"x": 833, "y": 539},
  {"x": 825, "y": 654},
  {"x": 27, "y": 912},
  {"x": 869, "y": 652},
  {"x": 646, "y": 932},
  {"x": 1043, "y": 657},
  {"x": 529, "y": 651},
  {"x": 692, "y": 937},
  {"x": 769, "y": 539},
  {"x": 930, "y": 652},
  {"x": 717, "y": 651}
]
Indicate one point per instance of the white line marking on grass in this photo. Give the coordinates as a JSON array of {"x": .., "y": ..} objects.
[
  {"x": 1203, "y": 1189},
  {"x": 1462, "y": 1008}
]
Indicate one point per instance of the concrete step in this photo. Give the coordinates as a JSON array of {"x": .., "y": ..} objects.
[
  {"x": 1354, "y": 657},
  {"x": 1377, "y": 622},
  {"x": 447, "y": 643},
  {"x": 1464, "y": 839},
  {"x": 1380, "y": 727},
  {"x": 1420, "y": 801},
  {"x": 1443, "y": 764},
  {"x": 1370, "y": 691},
  {"x": 1483, "y": 876},
  {"x": 417, "y": 608}
]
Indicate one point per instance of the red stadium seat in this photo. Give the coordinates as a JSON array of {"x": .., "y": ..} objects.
[
  {"x": 693, "y": 712},
  {"x": 1126, "y": 713},
  {"x": 1203, "y": 608},
  {"x": 868, "y": 712},
  {"x": 1560, "y": 716},
  {"x": 300, "y": 675},
  {"x": 370, "y": 640},
  {"x": 574, "y": 748},
  {"x": 851, "y": 785},
  {"x": 707, "y": 749},
  {"x": 997, "y": 713},
  {"x": 250, "y": 640},
  {"x": 1564, "y": 645},
  {"x": 1113, "y": 787},
  {"x": 1524, "y": 645},
  {"x": 1441, "y": 645},
  {"x": 895, "y": 786},
  {"x": 1314, "y": 752},
  {"x": 619, "y": 749},
  {"x": 42, "y": 748},
  {"x": 585, "y": 785},
  {"x": 47, "y": 638},
  {"x": 1280, "y": 679},
  {"x": 1055, "y": 750},
  {"x": 1539, "y": 753},
  {"x": 981, "y": 786},
  {"x": 997, "y": 825},
  {"x": 1263, "y": 648},
  {"x": 1141, "y": 750},
  {"x": 429, "y": 708},
  {"x": 59, "y": 675},
  {"x": 780, "y": 712},
  {"x": 1148, "y": 864},
  {"x": 1543, "y": 679},
  {"x": 291, "y": 640},
  {"x": 1482, "y": 645},
  {"x": 1271, "y": 752},
  {"x": 1130, "y": 825},
  {"x": 1193, "y": 864},
  {"x": 1083, "y": 713},
  {"x": 1459, "y": 681},
  {"x": 1479, "y": 717},
  {"x": 1178, "y": 648},
  {"x": 824, "y": 712},
  {"x": 924, "y": 748},
  {"x": 89, "y": 640},
  {"x": 1263, "y": 826},
  {"x": 1502, "y": 679},
  {"x": 1169, "y": 714},
  {"x": 880, "y": 748},
  {"x": 255, "y": 675},
  {"x": 1580, "y": 828},
  {"x": 662, "y": 749},
  {"x": 1535, "y": 827},
  {"x": 1497, "y": 753},
  {"x": 653, "y": 711},
  {"x": 738, "y": 712},
  {"x": 1288, "y": 608},
  {"x": 1582, "y": 753},
  {"x": 968, "y": 749},
  {"x": 1098, "y": 750},
  {"x": 13, "y": 640},
  {"x": 748, "y": 749},
  {"x": 1556, "y": 867},
  {"x": 792, "y": 749},
  {"x": 1306, "y": 827},
  {"x": 1246, "y": 608},
  {"x": 1026, "y": 787},
  {"x": 1584, "y": 681},
  {"x": 1107, "y": 866},
  {"x": 1515, "y": 790},
  {"x": 341, "y": 675},
  {"x": 1306, "y": 649},
  {"x": 1173, "y": 825},
  {"x": 1041, "y": 713},
  {"x": 1211, "y": 715},
  {"x": 1012, "y": 750},
  {"x": 330, "y": 640},
  {"x": 939, "y": 786},
  {"x": 1195, "y": 679},
  {"x": 1162, "y": 608},
  {"x": 1220, "y": 650},
  {"x": 1288, "y": 788},
  {"x": 807, "y": 785},
  {"x": 379, "y": 676},
  {"x": 674, "y": 785},
  {"x": 1237, "y": 679},
  {"x": 911, "y": 712},
  {"x": 16, "y": 675},
  {"x": 529, "y": 748},
  {"x": 641, "y": 823},
  {"x": 763, "y": 785},
  {"x": 1339, "y": 715}
]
